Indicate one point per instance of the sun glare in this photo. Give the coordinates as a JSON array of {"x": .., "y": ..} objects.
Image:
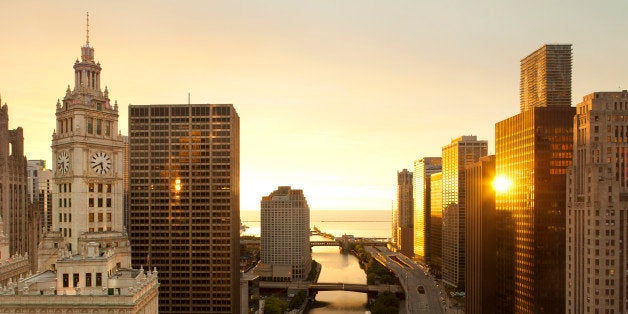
[{"x": 501, "y": 184}]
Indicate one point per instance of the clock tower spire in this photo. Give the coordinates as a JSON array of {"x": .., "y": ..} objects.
[{"x": 87, "y": 151}]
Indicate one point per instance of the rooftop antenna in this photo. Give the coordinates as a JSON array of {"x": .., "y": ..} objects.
[
  {"x": 188, "y": 98},
  {"x": 87, "y": 42}
]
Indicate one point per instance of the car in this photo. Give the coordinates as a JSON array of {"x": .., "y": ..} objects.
[{"x": 420, "y": 289}]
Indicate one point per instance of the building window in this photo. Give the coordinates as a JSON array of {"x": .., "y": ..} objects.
[
  {"x": 91, "y": 187},
  {"x": 91, "y": 202},
  {"x": 108, "y": 217},
  {"x": 91, "y": 217},
  {"x": 107, "y": 128},
  {"x": 100, "y": 202},
  {"x": 90, "y": 125},
  {"x": 88, "y": 280},
  {"x": 99, "y": 217},
  {"x": 66, "y": 280},
  {"x": 70, "y": 217},
  {"x": 100, "y": 188},
  {"x": 98, "y": 279},
  {"x": 108, "y": 202},
  {"x": 75, "y": 280},
  {"x": 108, "y": 188},
  {"x": 98, "y": 126}
]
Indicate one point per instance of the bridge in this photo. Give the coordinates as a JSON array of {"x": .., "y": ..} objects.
[
  {"x": 341, "y": 242},
  {"x": 325, "y": 243},
  {"x": 330, "y": 286}
]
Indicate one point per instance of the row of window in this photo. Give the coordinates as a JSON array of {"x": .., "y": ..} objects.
[
  {"x": 101, "y": 126},
  {"x": 88, "y": 280},
  {"x": 92, "y": 217}
]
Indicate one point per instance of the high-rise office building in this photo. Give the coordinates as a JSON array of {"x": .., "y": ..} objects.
[
  {"x": 402, "y": 214},
  {"x": 460, "y": 152},
  {"x": 85, "y": 259},
  {"x": 285, "y": 236},
  {"x": 435, "y": 240},
  {"x": 597, "y": 207},
  {"x": 184, "y": 188},
  {"x": 423, "y": 169},
  {"x": 481, "y": 246},
  {"x": 35, "y": 170},
  {"x": 45, "y": 198},
  {"x": 546, "y": 77},
  {"x": 125, "y": 177},
  {"x": 532, "y": 151}
]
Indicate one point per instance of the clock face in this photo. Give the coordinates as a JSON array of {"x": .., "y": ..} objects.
[
  {"x": 100, "y": 163},
  {"x": 63, "y": 162}
]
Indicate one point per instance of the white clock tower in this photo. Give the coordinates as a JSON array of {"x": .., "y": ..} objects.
[{"x": 87, "y": 152}]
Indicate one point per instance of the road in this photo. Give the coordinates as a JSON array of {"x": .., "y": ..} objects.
[{"x": 411, "y": 275}]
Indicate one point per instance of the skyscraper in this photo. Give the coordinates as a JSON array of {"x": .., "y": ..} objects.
[
  {"x": 36, "y": 169},
  {"x": 125, "y": 140},
  {"x": 184, "y": 188},
  {"x": 402, "y": 214},
  {"x": 435, "y": 240},
  {"x": 597, "y": 206},
  {"x": 423, "y": 169},
  {"x": 532, "y": 151},
  {"x": 546, "y": 77},
  {"x": 285, "y": 235},
  {"x": 461, "y": 151},
  {"x": 13, "y": 186},
  {"x": 45, "y": 198},
  {"x": 85, "y": 259},
  {"x": 480, "y": 227}
]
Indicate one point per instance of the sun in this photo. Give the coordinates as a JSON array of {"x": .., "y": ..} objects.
[{"x": 501, "y": 184}]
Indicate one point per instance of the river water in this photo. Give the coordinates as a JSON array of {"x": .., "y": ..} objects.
[{"x": 337, "y": 267}]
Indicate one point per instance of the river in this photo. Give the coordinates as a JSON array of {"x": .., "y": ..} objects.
[{"x": 338, "y": 268}]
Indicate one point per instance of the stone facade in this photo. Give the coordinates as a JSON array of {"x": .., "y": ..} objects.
[
  {"x": 13, "y": 185},
  {"x": 596, "y": 276},
  {"x": 84, "y": 260}
]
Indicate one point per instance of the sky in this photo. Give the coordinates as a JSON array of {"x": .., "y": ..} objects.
[{"x": 334, "y": 97}]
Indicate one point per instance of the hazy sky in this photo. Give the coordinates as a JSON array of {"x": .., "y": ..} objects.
[{"x": 334, "y": 97}]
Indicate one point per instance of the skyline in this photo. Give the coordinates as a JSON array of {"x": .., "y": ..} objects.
[{"x": 334, "y": 98}]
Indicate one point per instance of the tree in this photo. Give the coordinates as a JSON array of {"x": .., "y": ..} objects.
[
  {"x": 385, "y": 303},
  {"x": 274, "y": 305},
  {"x": 297, "y": 300}
]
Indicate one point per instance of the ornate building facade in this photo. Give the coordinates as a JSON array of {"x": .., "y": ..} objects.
[
  {"x": 14, "y": 207},
  {"x": 85, "y": 259}
]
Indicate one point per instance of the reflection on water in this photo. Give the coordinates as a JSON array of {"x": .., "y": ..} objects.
[{"x": 338, "y": 268}]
